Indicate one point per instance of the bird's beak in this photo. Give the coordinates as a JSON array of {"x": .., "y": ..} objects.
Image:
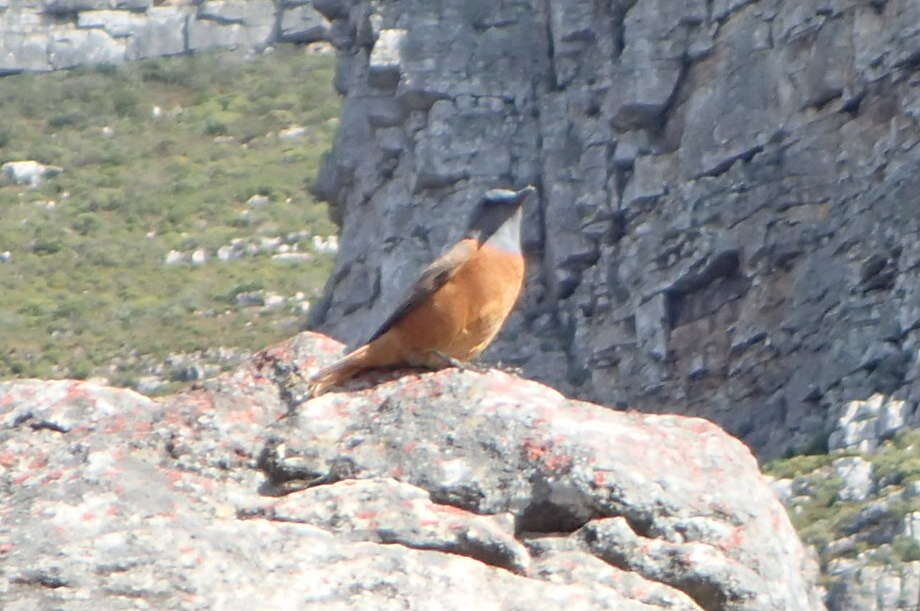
[{"x": 526, "y": 192}]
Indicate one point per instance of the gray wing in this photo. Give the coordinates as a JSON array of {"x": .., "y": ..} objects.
[{"x": 431, "y": 279}]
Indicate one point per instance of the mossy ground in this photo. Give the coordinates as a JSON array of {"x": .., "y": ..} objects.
[
  {"x": 86, "y": 283},
  {"x": 822, "y": 518}
]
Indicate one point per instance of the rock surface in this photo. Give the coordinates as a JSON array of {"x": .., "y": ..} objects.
[
  {"x": 862, "y": 514},
  {"x": 862, "y": 425},
  {"x": 40, "y": 35},
  {"x": 31, "y": 173},
  {"x": 473, "y": 490},
  {"x": 876, "y": 588},
  {"x": 728, "y": 203}
]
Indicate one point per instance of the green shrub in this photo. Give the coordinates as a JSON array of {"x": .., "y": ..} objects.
[
  {"x": 796, "y": 465},
  {"x": 34, "y": 308},
  {"x": 47, "y": 246},
  {"x": 906, "y": 549},
  {"x": 80, "y": 369},
  {"x": 105, "y": 69},
  {"x": 125, "y": 103},
  {"x": 67, "y": 119},
  {"x": 214, "y": 126},
  {"x": 898, "y": 460}
]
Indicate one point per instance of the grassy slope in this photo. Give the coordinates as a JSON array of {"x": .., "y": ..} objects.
[
  {"x": 822, "y": 518},
  {"x": 87, "y": 281}
]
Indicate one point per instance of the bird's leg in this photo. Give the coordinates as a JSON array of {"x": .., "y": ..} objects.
[
  {"x": 509, "y": 368},
  {"x": 461, "y": 365},
  {"x": 285, "y": 375},
  {"x": 450, "y": 361},
  {"x": 299, "y": 374}
]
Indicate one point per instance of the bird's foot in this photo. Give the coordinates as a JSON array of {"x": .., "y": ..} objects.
[
  {"x": 450, "y": 361},
  {"x": 295, "y": 388},
  {"x": 510, "y": 369}
]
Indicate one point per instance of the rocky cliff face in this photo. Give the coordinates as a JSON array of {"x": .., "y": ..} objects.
[
  {"x": 447, "y": 490},
  {"x": 728, "y": 205},
  {"x": 41, "y": 35}
]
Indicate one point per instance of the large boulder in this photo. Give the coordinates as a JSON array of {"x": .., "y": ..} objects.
[
  {"x": 231, "y": 23},
  {"x": 453, "y": 489},
  {"x": 31, "y": 173},
  {"x": 76, "y": 47},
  {"x": 302, "y": 24},
  {"x": 163, "y": 32},
  {"x": 24, "y": 41}
]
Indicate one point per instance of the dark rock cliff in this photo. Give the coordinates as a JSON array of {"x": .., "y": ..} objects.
[{"x": 728, "y": 213}]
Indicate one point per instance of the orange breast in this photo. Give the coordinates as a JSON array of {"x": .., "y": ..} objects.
[{"x": 462, "y": 317}]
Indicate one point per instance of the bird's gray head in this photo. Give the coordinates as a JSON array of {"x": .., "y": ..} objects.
[{"x": 497, "y": 218}]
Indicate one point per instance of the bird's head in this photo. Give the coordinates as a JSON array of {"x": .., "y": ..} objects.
[{"x": 497, "y": 218}]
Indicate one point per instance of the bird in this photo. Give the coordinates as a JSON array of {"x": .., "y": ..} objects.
[{"x": 457, "y": 305}]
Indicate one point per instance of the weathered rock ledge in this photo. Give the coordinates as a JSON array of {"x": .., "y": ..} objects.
[
  {"x": 451, "y": 489},
  {"x": 42, "y": 35}
]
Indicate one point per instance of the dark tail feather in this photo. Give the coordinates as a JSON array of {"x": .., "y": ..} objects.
[{"x": 339, "y": 371}]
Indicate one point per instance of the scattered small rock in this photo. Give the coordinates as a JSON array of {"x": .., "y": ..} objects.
[
  {"x": 257, "y": 201},
  {"x": 228, "y": 253},
  {"x": 274, "y": 301},
  {"x": 250, "y": 298},
  {"x": 31, "y": 173},
  {"x": 856, "y": 474},
  {"x": 293, "y": 257},
  {"x": 188, "y": 373},
  {"x": 282, "y": 248},
  {"x": 267, "y": 244},
  {"x": 149, "y": 384},
  {"x": 911, "y": 525},
  {"x": 327, "y": 244},
  {"x": 783, "y": 490},
  {"x": 174, "y": 257},
  {"x": 319, "y": 48},
  {"x": 292, "y": 133},
  {"x": 912, "y": 490},
  {"x": 296, "y": 236},
  {"x": 199, "y": 256}
]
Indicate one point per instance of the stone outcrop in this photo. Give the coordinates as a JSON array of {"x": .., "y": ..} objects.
[
  {"x": 860, "y": 426},
  {"x": 41, "y": 35},
  {"x": 469, "y": 489},
  {"x": 727, "y": 217},
  {"x": 878, "y": 588},
  {"x": 31, "y": 173},
  {"x": 860, "y": 507}
]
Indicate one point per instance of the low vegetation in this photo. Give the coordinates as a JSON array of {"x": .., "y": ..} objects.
[
  {"x": 158, "y": 156},
  {"x": 871, "y": 529}
]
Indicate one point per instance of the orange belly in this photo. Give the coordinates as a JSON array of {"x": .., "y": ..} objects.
[{"x": 462, "y": 317}]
